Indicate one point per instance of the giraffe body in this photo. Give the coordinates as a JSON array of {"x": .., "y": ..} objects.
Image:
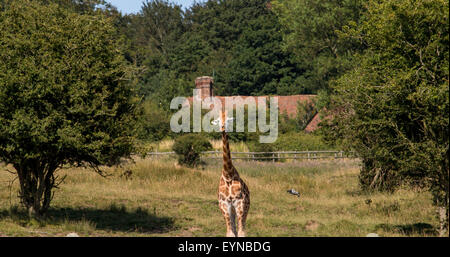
[{"x": 234, "y": 196}]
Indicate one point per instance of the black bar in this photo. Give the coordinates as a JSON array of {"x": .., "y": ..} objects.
[{"x": 201, "y": 246}]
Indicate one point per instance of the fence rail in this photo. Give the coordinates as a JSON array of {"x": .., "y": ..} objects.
[{"x": 294, "y": 155}]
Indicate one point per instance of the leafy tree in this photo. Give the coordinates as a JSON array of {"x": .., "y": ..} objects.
[
  {"x": 258, "y": 64},
  {"x": 243, "y": 38},
  {"x": 152, "y": 36},
  {"x": 65, "y": 96},
  {"x": 159, "y": 27},
  {"x": 83, "y": 6},
  {"x": 153, "y": 122},
  {"x": 311, "y": 31},
  {"x": 236, "y": 41},
  {"x": 392, "y": 109}
]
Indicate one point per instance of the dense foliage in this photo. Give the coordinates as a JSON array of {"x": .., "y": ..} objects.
[
  {"x": 311, "y": 31},
  {"x": 65, "y": 95},
  {"x": 236, "y": 41},
  {"x": 255, "y": 47},
  {"x": 393, "y": 107},
  {"x": 188, "y": 147}
]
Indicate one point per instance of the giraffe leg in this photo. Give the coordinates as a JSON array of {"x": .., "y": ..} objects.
[
  {"x": 229, "y": 219},
  {"x": 241, "y": 220},
  {"x": 230, "y": 230}
]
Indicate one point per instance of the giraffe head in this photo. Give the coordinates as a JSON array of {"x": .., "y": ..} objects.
[{"x": 223, "y": 121}]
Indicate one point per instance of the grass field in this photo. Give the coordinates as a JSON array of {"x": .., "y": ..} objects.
[{"x": 161, "y": 199}]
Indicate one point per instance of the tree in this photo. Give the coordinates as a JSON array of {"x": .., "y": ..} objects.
[
  {"x": 258, "y": 65},
  {"x": 245, "y": 54},
  {"x": 311, "y": 31},
  {"x": 153, "y": 123},
  {"x": 159, "y": 26},
  {"x": 65, "y": 96},
  {"x": 236, "y": 41},
  {"x": 153, "y": 37},
  {"x": 83, "y": 6},
  {"x": 393, "y": 108}
]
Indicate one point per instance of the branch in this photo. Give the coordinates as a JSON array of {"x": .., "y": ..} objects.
[
  {"x": 14, "y": 173},
  {"x": 98, "y": 170}
]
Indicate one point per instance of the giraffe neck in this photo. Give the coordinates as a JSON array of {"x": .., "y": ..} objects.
[{"x": 228, "y": 168}]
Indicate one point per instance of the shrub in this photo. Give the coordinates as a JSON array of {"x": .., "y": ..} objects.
[
  {"x": 255, "y": 146},
  {"x": 300, "y": 142},
  {"x": 188, "y": 148}
]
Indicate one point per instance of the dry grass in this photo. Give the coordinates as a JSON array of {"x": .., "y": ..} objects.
[{"x": 161, "y": 199}]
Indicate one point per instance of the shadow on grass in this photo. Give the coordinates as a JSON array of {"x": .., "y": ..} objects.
[
  {"x": 410, "y": 229},
  {"x": 115, "y": 218}
]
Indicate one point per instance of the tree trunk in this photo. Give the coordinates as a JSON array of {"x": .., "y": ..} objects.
[
  {"x": 36, "y": 182},
  {"x": 443, "y": 220}
]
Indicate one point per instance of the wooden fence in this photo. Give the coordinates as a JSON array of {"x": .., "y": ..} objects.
[{"x": 271, "y": 156}]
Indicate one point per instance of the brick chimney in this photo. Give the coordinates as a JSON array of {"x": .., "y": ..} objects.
[{"x": 205, "y": 84}]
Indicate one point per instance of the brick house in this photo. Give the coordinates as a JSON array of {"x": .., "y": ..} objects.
[{"x": 286, "y": 104}]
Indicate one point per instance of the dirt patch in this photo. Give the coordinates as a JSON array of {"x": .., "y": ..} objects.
[{"x": 312, "y": 225}]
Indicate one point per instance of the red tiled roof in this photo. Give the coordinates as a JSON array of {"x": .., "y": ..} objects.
[
  {"x": 314, "y": 123},
  {"x": 286, "y": 104}
]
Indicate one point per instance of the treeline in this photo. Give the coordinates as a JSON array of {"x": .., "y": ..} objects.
[
  {"x": 244, "y": 44},
  {"x": 237, "y": 42},
  {"x": 240, "y": 43},
  {"x": 249, "y": 47}
]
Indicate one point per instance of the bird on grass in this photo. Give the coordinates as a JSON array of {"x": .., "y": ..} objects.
[{"x": 293, "y": 192}]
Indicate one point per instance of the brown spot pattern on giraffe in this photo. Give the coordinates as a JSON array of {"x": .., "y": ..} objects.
[{"x": 233, "y": 193}]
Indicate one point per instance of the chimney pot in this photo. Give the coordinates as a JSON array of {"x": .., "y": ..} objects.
[{"x": 205, "y": 84}]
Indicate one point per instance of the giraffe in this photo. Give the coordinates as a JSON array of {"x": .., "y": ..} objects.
[{"x": 234, "y": 196}]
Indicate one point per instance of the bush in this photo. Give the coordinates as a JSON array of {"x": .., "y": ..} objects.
[
  {"x": 188, "y": 148},
  {"x": 301, "y": 142},
  {"x": 255, "y": 146}
]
